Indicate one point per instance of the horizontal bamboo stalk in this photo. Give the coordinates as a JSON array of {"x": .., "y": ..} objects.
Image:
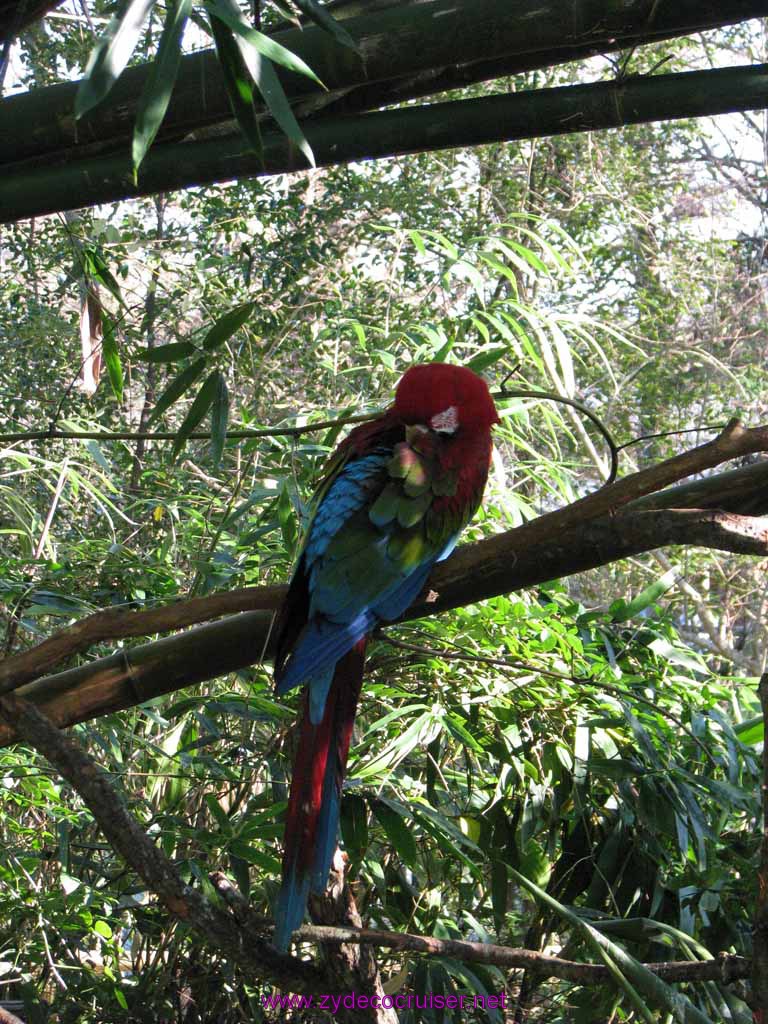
[
  {"x": 404, "y": 51},
  {"x": 338, "y": 140}
]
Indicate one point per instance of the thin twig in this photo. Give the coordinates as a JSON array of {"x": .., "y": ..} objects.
[
  {"x": 52, "y": 510},
  {"x": 725, "y": 968}
]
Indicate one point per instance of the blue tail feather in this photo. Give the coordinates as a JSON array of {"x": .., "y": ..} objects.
[
  {"x": 326, "y": 836},
  {"x": 291, "y": 905}
]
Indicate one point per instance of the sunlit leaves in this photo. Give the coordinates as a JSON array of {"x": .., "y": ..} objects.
[
  {"x": 156, "y": 94},
  {"x": 112, "y": 356},
  {"x": 111, "y": 54},
  {"x": 257, "y": 51}
]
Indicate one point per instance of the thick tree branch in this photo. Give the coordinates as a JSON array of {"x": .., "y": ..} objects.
[
  {"x": 245, "y": 948},
  {"x": 506, "y": 557},
  {"x": 119, "y": 623},
  {"x": 140, "y": 673}
]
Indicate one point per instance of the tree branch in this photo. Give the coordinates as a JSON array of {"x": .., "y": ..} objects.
[
  {"x": 498, "y": 565},
  {"x": 137, "y": 674},
  {"x": 400, "y": 57},
  {"x": 238, "y": 942},
  {"x": 119, "y": 623},
  {"x": 726, "y": 968}
]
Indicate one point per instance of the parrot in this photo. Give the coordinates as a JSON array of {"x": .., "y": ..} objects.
[{"x": 394, "y": 497}]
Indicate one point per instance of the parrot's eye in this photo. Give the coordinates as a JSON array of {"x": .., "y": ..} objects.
[{"x": 447, "y": 421}]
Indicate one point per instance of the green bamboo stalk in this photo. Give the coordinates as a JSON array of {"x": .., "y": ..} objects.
[
  {"x": 338, "y": 140},
  {"x": 405, "y": 51}
]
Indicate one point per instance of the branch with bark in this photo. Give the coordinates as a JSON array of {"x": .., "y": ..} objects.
[
  {"x": 637, "y": 513},
  {"x": 725, "y": 968}
]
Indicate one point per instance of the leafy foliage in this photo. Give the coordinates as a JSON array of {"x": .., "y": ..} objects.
[{"x": 564, "y": 769}]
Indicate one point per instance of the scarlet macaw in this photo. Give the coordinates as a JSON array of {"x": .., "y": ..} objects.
[{"x": 396, "y": 494}]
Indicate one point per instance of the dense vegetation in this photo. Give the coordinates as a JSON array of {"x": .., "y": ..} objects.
[{"x": 576, "y": 760}]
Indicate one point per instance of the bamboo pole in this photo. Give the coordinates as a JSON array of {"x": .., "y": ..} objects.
[
  {"x": 404, "y": 51},
  {"x": 338, "y": 140}
]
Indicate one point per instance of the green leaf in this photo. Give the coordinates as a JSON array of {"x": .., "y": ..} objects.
[
  {"x": 485, "y": 359},
  {"x": 751, "y": 732},
  {"x": 111, "y": 356},
  {"x": 156, "y": 94},
  {"x": 219, "y": 418},
  {"x": 623, "y": 610},
  {"x": 237, "y": 83},
  {"x": 202, "y": 403},
  {"x": 167, "y": 353},
  {"x": 398, "y": 833},
  {"x": 226, "y": 326},
  {"x": 258, "y": 51},
  {"x": 317, "y": 12},
  {"x": 677, "y": 655},
  {"x": 354, "y": 824},
  {"x": 103, "y": 929},
  {"x": 110, "y": 55},
  {"x": 177, "y": 387},
  {"x": 456, "y": 727},
  {"x": 95, "y": 268},
  {"x": 228, "y": 12},
  {"x": 287, "y": 519},
  {"x": 499, "y": 891}
]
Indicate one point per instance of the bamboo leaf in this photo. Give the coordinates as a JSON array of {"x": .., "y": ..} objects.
[
  {"x": 110, "y": 55},
  {"x": 258, "y": 52},
  {"x": 219, "y": 418},
  {"x": 198, "y": 409},
  {"x": 158, "y": 87},
  {"x": 623, "y": 610},
  {"x": 228, "y": 12},
  {"x": 317, "y": 12},
  {"x": 485, "y": 359},
  {"x": 95, "y": 268},
  {"x": 226, "y": 325},
  {"x": 111, "y": 356},
  {"x": 237, "y": 83},
  {"x": 354, "y": 824},
  {"x": 397, "y": 832},
  {"x": 177, "y": 387},
  {"x": 167, "y": 353},
  {"x": 750, "y": 732}
]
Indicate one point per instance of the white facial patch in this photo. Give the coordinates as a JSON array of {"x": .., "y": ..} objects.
[{"x": 447, "y": 421}]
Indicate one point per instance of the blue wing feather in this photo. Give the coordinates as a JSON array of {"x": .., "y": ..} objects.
[{"x": 352, "y": 577}]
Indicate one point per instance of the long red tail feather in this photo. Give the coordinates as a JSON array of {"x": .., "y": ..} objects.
[{"x": 312, "y": 820}]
